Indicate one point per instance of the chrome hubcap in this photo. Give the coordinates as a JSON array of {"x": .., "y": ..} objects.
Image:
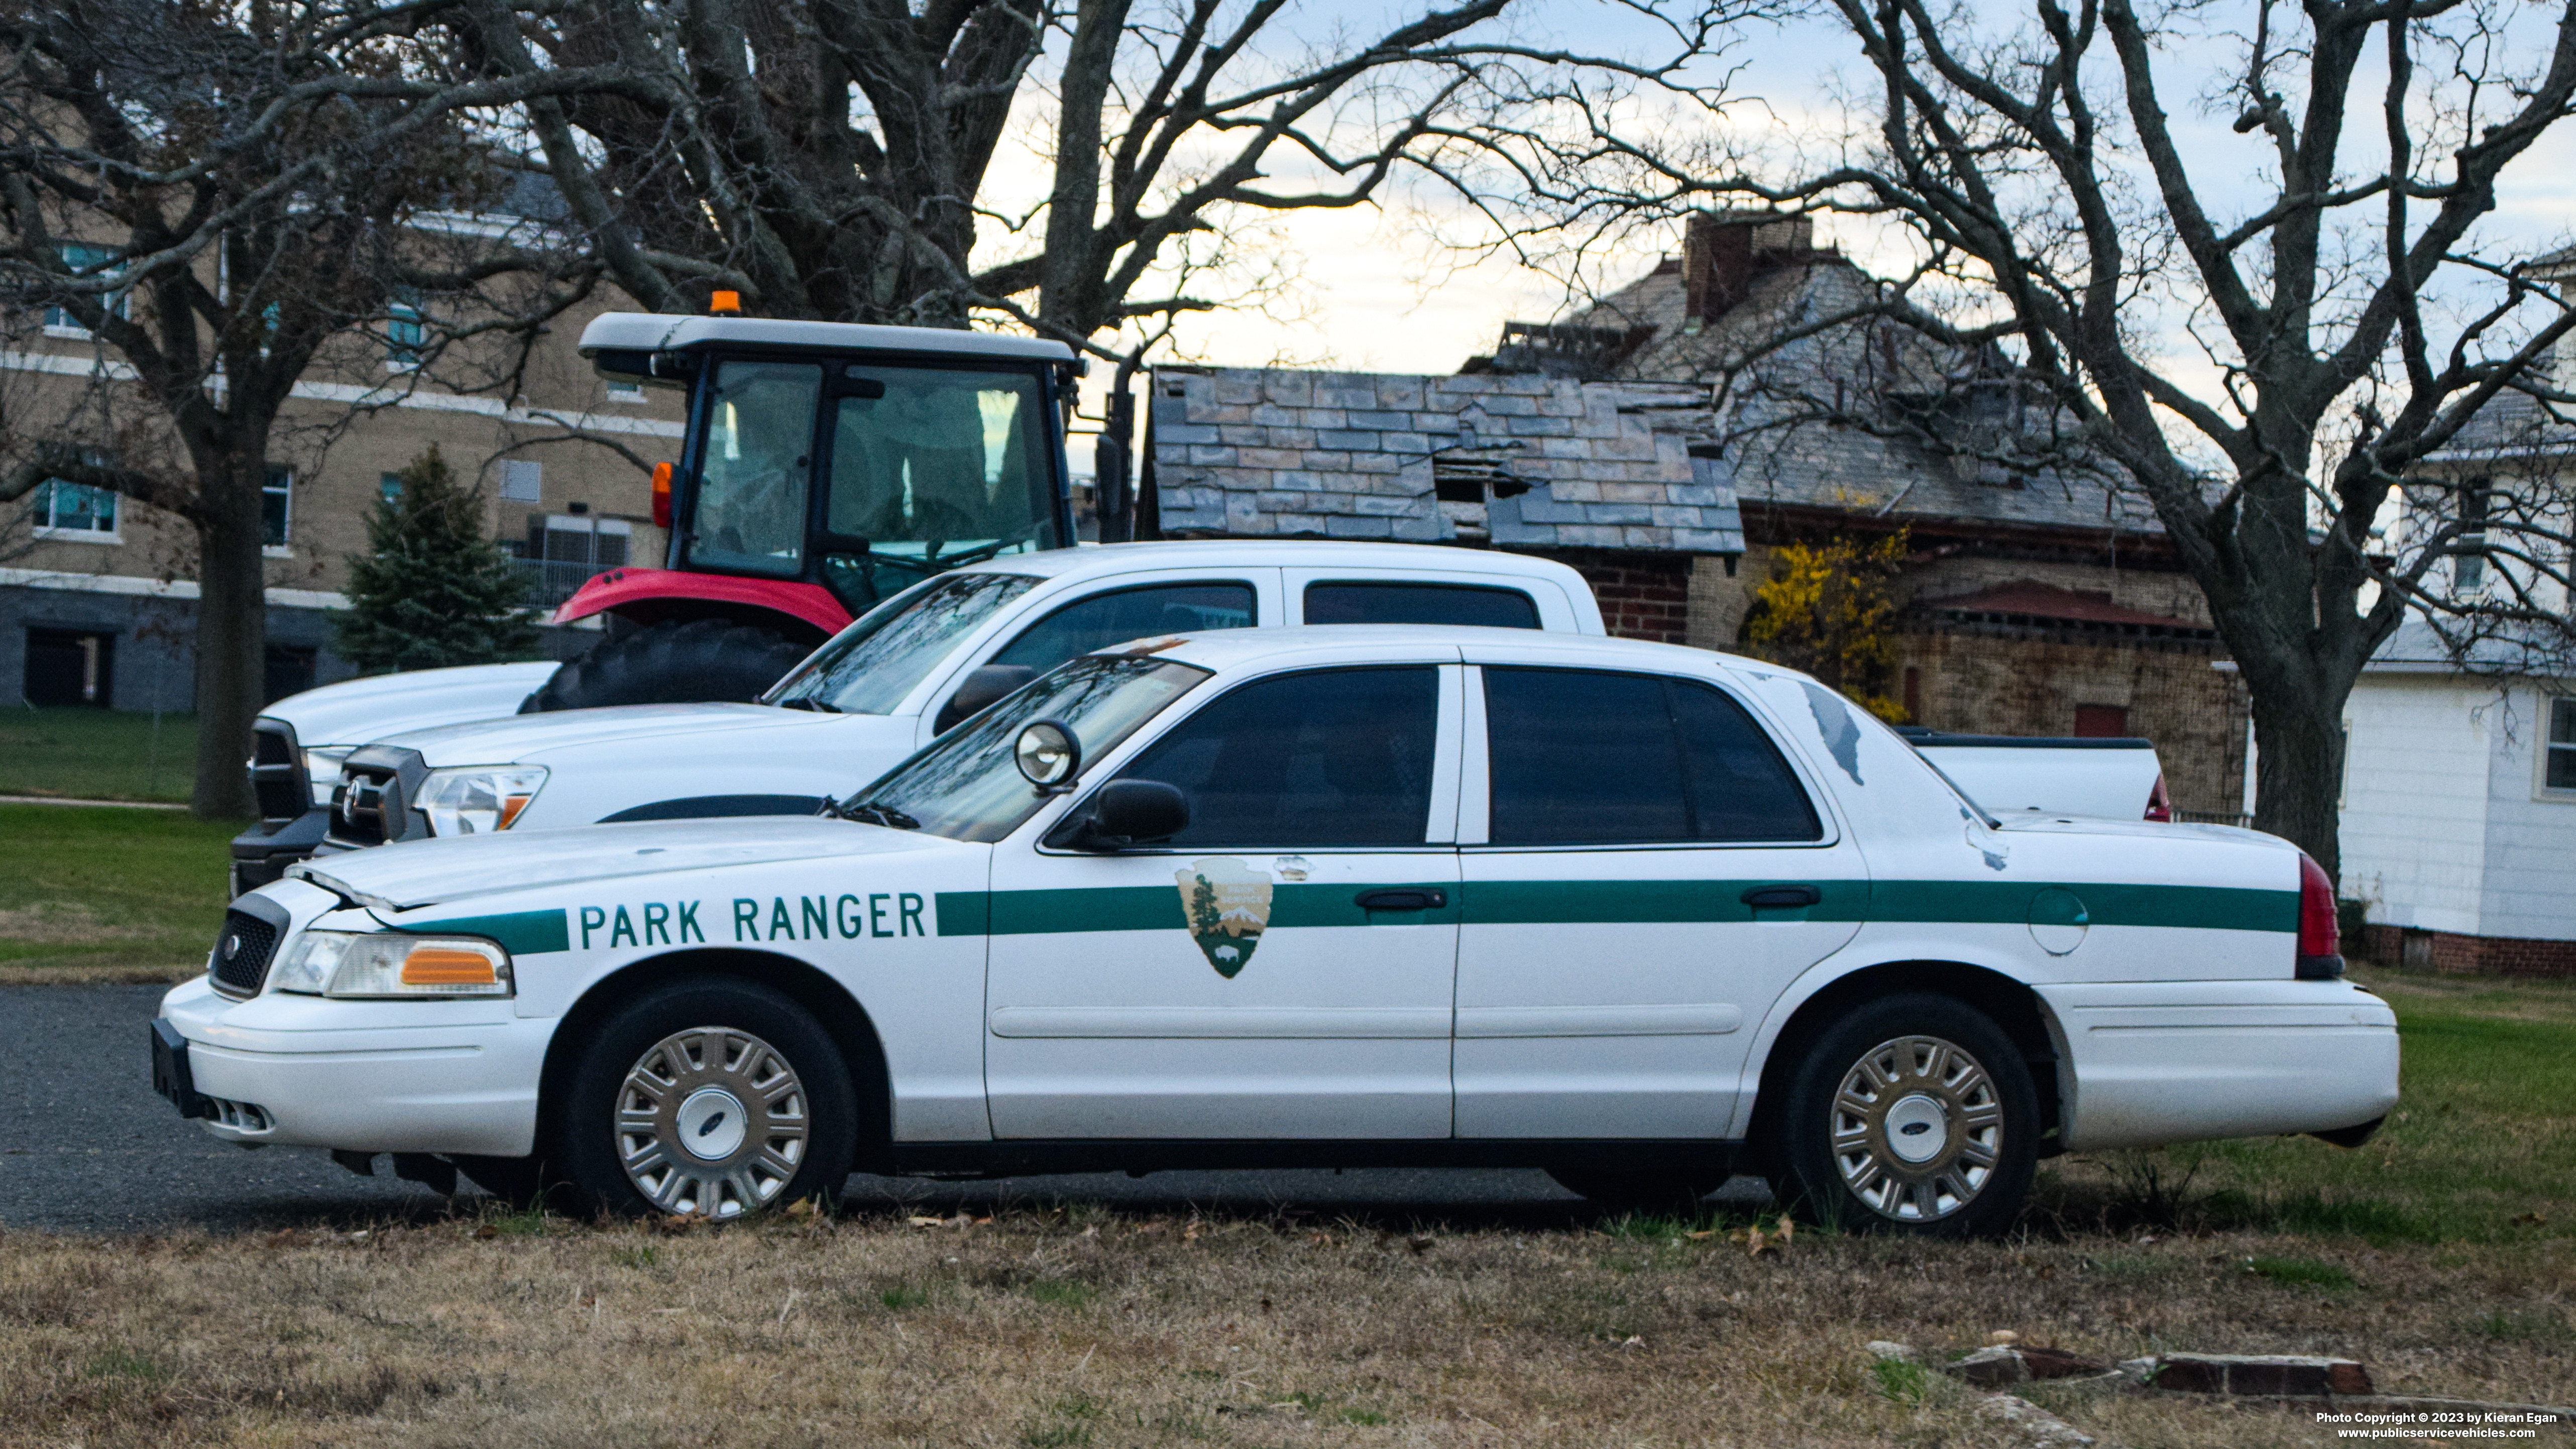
[
  {"x": 711, "y": 1120},
  {"x": 1917, "y": 1128}
]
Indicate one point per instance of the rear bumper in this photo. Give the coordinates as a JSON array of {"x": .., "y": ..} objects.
[
  {"x": 261, "y": 854},
  {"x": 2160, "y": 1062},
  {"x": 420, "y": 1077}
]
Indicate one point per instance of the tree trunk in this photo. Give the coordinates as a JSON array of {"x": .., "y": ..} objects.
[
  {"x": 232, "y": 635},
  {"x": 2298, "y": 742}
]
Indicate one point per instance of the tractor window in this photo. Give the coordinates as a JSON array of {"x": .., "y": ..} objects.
[
  {"x": 750, "y": 514},
  {"x": 937, "y": 467}
]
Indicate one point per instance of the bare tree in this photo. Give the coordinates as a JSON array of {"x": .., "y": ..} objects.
[
  {"x": 2280, "y": 342},
  {"x": 833, "y": 158},
  {"x": 219, "y": 197}
]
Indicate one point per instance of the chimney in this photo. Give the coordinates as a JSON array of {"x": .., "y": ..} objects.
[
  {"x": 1723, "y": 251},
  {"x": 1717, "y": 263}
]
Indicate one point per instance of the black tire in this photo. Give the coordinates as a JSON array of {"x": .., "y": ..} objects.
[
  {"x": 691, "y": 1035},
  {"x": 1924, "y": 1064},
  {"x": 1674, "y": 1193},
  {"x": 699, "y": 660}
]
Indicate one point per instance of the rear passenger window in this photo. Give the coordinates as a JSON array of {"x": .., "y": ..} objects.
[
  {"x": 1114, "y": 618},
  {"x": 1322, "y": 758},
  {"x": 1581, "y": 757},
  {"x": 1374, "y": 603}
]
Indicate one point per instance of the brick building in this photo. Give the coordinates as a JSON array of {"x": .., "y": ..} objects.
[
  {"x": 97, "y": 605},
  {"x": 1659, "y": 446}
]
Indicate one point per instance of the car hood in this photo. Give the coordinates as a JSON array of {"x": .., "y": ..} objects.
[
  {"x": 537, "y": 736},
  {"x": 429, "y": 872},
  {"x": 362, "y": 711}
]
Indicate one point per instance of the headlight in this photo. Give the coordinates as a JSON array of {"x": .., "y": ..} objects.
[
  {"x": 389, "y": 964},
  {"x": 478, "y": 800}
]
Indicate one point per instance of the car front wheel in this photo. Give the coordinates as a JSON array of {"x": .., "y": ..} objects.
[
  {"x": 1912, "y": 1114},
  {"x": 719, "y": 1099}
]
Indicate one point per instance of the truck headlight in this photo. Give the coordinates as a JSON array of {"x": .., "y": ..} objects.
[
  {"x": 477, "y": 800},
  {"x": 389, "y": 964}
]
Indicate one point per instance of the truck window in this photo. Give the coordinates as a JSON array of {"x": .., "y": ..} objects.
[
  {"x": 929, "y": 463},
  {"x": 750, "y": 511},
  {"x": 1357, "y": 602},
  {"x": 1690, "y": 764},
  {"x": 1321, "y": 758},
  {"x": 1123, "y": 614}
]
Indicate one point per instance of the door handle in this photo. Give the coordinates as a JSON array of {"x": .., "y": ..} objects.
[
  {"x": 1782, "y": 897},
  {"x": 1404, "y": 898}
]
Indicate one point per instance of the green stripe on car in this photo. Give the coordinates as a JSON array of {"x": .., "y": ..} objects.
[
  {"x": 521, "y": 933},
  {"x": 1612, "y": 902}
]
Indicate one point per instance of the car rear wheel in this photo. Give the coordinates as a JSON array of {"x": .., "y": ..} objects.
[
  {"x": 1913, "y": 1114},
  {"x": 718, "y": 1099},
  {"x": 675, "y": 662}
]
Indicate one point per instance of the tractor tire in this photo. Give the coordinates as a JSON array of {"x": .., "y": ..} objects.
[{"x": 696, "y": 661}]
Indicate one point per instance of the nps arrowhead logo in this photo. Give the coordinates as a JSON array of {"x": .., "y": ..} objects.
[{"x": 1226, "y": 906}]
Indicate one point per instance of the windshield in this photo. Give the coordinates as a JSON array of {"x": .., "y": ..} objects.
[
  {"x": 870, "y": 666},
  {"x": 935, "y": 467},
  {"x": 965, "y": 785}
]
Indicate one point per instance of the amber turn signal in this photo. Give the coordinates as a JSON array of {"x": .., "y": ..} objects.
[
  {"x": 441, "y": 966},
  {"x": 661, "y": 495}
]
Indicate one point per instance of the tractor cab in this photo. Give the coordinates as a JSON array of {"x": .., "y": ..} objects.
[{"x": 826, "y": 467}]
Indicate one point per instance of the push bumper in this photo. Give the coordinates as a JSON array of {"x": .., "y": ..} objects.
[
  {"x": 262, "y": 853},
  {"x": 365, "y": 1076},
  {"x": 2160, "y": 1062}
]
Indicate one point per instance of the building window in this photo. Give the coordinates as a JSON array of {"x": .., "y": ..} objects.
[
  {"x": 2558, "y": 762},
  {"x": 81, "y": 260},
  {"x": 276, "y": 505},
  {"x": 71, "y": 511},
  {"x": 2101, "y": 721},
  {"x": 2469, "y": 571},
  {"x": 405, "y": 333},
  {"x": 389, "y": 487},
  {"x": 626, "y": 392},
  {"x": 69, "y": 667},
  {"x": 522, "y": 481}
]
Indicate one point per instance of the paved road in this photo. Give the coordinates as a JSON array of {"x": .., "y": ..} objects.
[{"x": 86, "y": 1147}]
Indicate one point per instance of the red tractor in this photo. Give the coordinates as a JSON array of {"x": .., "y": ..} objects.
[{"x": 826, "y": 466}]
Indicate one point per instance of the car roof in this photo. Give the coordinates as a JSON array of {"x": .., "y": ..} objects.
[
  {"x": 1232, "y": 649},
  {"x": 1093, "y": 560}
]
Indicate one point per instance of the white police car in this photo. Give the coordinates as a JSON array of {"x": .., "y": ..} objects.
[{"x": 1626, "y": 912}]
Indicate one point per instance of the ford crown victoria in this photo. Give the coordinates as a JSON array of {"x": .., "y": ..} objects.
[{"x": 1635, "y": 914}]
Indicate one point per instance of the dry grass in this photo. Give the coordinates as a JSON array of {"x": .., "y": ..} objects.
[{"x": 1074, "y": 1326}]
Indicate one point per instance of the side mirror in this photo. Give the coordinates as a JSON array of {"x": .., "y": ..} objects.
[
  {"x": 1130, "y": 812},
  {"x": 982, "y": 687}
]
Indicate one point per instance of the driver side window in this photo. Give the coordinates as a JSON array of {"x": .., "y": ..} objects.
[
  {"x": 749, "y": 516},
  {"x": 1116, "y": 617},
  {"x": 1322, "y": 758}
]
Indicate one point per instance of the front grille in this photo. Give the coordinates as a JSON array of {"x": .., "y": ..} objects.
[
  {"x": 242, "y": 952},
  {"x": 358, "y": 806},
  {"x": 277, "y": 778}
]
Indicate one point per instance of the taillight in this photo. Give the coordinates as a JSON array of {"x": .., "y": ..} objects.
[
  {"x": 2320, "y": 938},
  {"x": 2159, "y": 804},
  {"x": 662, "y": 514}
]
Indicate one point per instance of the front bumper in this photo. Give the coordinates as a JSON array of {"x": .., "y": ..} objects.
[
  {"x": 262, "y": 853},
  {"x": 364, "y": 1076}
]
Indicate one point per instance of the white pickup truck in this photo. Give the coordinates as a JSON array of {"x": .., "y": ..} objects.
[{"x": 891, "y": 682}]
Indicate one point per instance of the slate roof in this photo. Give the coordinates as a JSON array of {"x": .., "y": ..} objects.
[
  {"x": 1288, "y": 453},
  {"x": 1777, "y": 452}
]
